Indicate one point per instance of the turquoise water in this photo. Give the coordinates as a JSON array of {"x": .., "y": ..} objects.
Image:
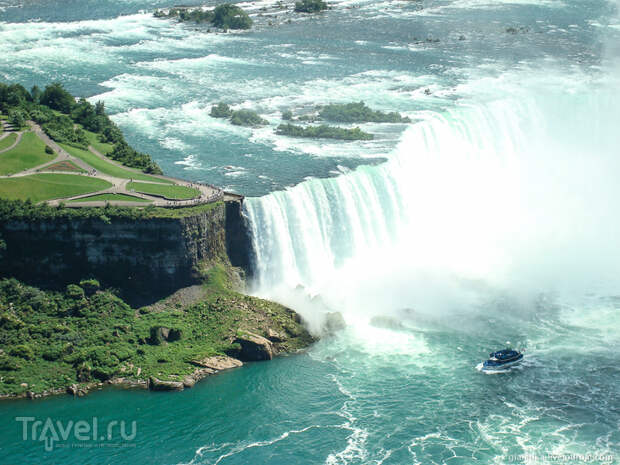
[{"x": 490, "y": 218}]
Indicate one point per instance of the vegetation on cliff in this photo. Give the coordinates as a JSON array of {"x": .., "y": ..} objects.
[
  {"x": 310, "y": 6},
  {"x": 358, "y": 113},
  {"x": 67, "y": 121},
  {"x": 323, "y": 131},
  {"x": 52, "y": 340},
  {"x": 224, "y": 16}
]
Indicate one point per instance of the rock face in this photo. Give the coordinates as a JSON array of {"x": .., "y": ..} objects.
[
  {"x": 144, "y": 258},
  {"x": 218, "y": 362},
  {"x": 254, "y": 347}
]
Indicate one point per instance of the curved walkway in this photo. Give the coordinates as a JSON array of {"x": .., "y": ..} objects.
[
  {"x": 17, "y": 141},
  {"x": 207, "y": 192}
]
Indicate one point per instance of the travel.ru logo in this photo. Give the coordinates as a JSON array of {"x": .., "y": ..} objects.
[{"x": 59, "y": 433}]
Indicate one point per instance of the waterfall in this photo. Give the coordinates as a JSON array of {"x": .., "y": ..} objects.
[{"x": 512, "y": 192}]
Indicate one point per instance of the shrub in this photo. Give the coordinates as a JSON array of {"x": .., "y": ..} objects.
[
  {"x": 247, "y": 118},
  {"x": 74, "y": 292},
  {"x": 287, "y": 115},
  {"x": 227, "y": 16},
  {"x": 359, "y": 113},
  {"x": 323, "y": 131},
  {"x": 22, "y": 351},
  {"x": 90, "y": 286},
  {"x": 49, "y": 150},
  {"x": 221, "y": 110}
]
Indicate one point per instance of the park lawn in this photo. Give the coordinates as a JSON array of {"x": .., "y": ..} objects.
[
  {"x": 110, "y": 198},
  {"x": 109, "y": 168},
  {"x": 7, "y": 141},
  {"x": 47, "y": 186},
  {"x": 29, "y": 153},
  {"x": 169, "y": 192},
  {"x": 93, "y": 139}
]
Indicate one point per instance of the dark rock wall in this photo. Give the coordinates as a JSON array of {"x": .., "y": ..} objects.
[{"x": 144, "y": 259}]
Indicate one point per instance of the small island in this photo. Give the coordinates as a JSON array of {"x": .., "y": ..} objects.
[
  {"x": 224, "y": 16},
  {"x": 323, "y": 132},
  {"x": 310, "y": 6},
  {"x": 358, "y": 113},
  {"x": 247, "y": 118}
]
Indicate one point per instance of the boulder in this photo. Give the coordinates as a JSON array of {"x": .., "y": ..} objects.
[
  {"x": 254, "y": 347},
  {"x": 160, "y": 385},
  {"x": 274, "y": 336},
  {"x": 218, "y": 363},
  {"x": 189, "y": 381},
  {"x": 334, "y": 321}
]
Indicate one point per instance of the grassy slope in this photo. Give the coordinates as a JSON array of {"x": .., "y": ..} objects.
[
  {"x": 48, "y": 186},
  {"x": 169, "y": 192},
  {"x": 111, "y": 198},
  {"x": 51, "y": 340},
  {"x": 7, "y": 141},
  {"x": 93, "y": 139},
  {"x": 109, "y": 168},
  {"x": 30, "y": 152}
]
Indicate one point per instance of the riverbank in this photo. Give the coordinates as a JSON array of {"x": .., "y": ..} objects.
[{"x": 86, "y": 338}]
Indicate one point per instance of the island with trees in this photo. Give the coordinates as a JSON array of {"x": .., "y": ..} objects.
[{"x": 224, "y": 16}]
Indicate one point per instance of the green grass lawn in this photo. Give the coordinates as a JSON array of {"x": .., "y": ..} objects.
[
  {"x": 93, "y": 139},
  {"x": 110, "y": 198},
  {"x": 30, "y": 152},
  {"x": 109, "y": 168},
  {"x": 169, "y": 192},
  {"x": 47, "y": 186},
  {"x": 7, "y": 141}
]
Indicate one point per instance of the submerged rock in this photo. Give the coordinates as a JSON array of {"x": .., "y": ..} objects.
[{"x": 386, "y": 322}]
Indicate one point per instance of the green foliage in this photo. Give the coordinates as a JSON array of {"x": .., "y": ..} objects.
[
  {"x": 99, "y": 337},
  {"x": 287, "y": 115},
  {"x": 221, "y": 110},
  {"x": 228, "y": 16},
  {"x": 126, "y": 155},
  {"x": 22, "y": 351},
  {"x": 17, "y": 118},
  {"x": 247, "y": 118},
  {"x": 57, "y": 98},
  {"x": 359, "y": 113},
  {"x": 74, "y": 292},
  {"x": 49, "y": 150},
  {"x": 323, "y": 131},
  {"x": 58, "y": 114},
  {"x": 225, "y": 16},
  {"x": 310, "y": 6}
]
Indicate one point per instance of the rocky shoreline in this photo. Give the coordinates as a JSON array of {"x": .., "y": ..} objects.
[{"x": 253, "y": 348}]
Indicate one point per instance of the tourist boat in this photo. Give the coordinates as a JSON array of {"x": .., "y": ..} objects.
[{"x": 502, "y": 359}]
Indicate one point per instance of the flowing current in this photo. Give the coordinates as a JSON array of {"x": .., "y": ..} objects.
[{"x": 491, "y": 217}]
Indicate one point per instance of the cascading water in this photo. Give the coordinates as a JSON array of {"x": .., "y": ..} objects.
[{"x": 513, "y": 194}]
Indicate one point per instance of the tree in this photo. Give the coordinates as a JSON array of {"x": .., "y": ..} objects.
[
  {"x": 17, "y": 118},
  {"x": 56, "y": 97},
  {"x": 100, "y": 108},
  {"x": 35, "y": 94},
  {"x": 228, "y": 16}
]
